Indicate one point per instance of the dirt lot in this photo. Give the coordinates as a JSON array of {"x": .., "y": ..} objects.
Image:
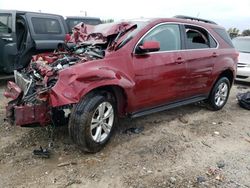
[{"x": 183, "y": 147}]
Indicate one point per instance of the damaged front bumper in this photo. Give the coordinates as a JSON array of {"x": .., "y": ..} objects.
[{"x": 25, "y": 114}]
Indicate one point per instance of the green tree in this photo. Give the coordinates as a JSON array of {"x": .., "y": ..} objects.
[
  {"x": 233, "y": 32},
  {"x": 246, "y": 32}
]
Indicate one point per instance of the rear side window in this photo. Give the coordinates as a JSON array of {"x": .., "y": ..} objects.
[
  {"x": 167, "y": 35},
  {"x": 224, "y": 35},
  {"x": 198, "y": 38},
  {"x": 46, "y": 26},
  {"x": 5, "y": 23}
]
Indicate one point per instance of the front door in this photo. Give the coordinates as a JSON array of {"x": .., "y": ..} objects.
[{"x": 159, "y": 76}]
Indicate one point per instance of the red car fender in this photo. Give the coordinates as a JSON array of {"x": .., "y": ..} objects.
[
  {"x": 223, "y": 64},
  {"x": 73, "y": 85}
]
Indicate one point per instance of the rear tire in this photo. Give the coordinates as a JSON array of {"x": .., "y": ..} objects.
[
  {"x": 219, "y": 94},
  {"x": 92, "y": 122}
]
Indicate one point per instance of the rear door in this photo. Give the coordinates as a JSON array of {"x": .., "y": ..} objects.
[
  {"x": 201, "y": 53},
  {"x": 8, "y": 49},
  {"x": 46, "y": 30}
]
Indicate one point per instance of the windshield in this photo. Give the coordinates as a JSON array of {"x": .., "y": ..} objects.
[{"x": 242, "y": 44}]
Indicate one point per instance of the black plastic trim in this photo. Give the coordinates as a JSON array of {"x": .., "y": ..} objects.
[
  {"x": 167, "y": 106},
  {"x": 194, "y": 18}
]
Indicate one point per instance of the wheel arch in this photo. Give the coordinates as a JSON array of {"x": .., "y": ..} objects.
[
  {"x": 117, "y": 92},
  {"x": 228, "y": 73}
]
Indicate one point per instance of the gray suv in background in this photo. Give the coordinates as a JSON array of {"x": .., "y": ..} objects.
[{"x": 23, "y": 34}]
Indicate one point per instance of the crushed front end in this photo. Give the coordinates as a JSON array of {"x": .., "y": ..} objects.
[
  {"x": 32, "y": 93},
  {"x": 30, "y": 103},
  {"x": 25, "y": 109}
]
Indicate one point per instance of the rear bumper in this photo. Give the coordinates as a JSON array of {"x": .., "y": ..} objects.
[
  {"x": 25, "y": 114},
  {"x": 243, "y": 74}
]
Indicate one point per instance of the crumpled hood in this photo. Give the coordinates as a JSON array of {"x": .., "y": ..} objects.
[
  {"x": 87, "y": 43},
  {"x": 99, "y": 33}
]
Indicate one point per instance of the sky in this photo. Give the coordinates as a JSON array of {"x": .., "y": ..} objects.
[{"x": 228, "y": 13}]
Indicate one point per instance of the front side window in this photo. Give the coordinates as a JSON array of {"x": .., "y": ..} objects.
[
  {"x": 46, "y": 26},
  {"x": 167, "y": 35},
  {"x": 5, "y": 23},
  {"x": 197, "y": 38}
]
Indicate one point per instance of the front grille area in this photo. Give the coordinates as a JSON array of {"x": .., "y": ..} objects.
[{"x": 22, "y": 82}]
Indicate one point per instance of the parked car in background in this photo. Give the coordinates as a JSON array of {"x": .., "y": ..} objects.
[
  {"x": 23, "y": 34},
  {"x": 242, "y": 44},
  {"x": 72, "y": 21},
  {"x": 131, "y": 68}
]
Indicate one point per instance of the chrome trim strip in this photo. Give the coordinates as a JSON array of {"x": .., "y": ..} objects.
[{"x": 177, "y": 23}]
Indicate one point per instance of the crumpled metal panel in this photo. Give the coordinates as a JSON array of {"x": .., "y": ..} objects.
[
  {"x": 98, "y": 33},
  {"x": 32, "y": 114},
  {"x": 12, "y": 91}
]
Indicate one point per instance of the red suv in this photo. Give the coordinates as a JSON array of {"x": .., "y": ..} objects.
[{"x": 122, "y": 69}]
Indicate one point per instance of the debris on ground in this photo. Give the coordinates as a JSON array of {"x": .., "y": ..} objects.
[
  {"x": 244, "y": 100},
  {"x": 216, "y": 133},
  {"x": 220, "y": 177},
  {"x": 213, "y": 171},
  {"x": 66, "y": 164},
  {"x": 201, "y": 179},
  {"x": 221, "y": 164},
  {"x": 135, "y": 130},
  {"x": 205, "y": 144},
  {"x": 183, "y": 120},
  {"x": 172, "y": 180},
  {"x": 43, "y": 153},
  {"x": 248, "y": 140}
]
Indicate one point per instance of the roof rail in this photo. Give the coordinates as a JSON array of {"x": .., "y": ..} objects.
[{"x": 195, "y": 19}]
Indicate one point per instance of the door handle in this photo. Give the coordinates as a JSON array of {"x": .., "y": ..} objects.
[
  {"x": 8, "y": 39},
  {"x": 215, "y": 54},
  {"x": 179, "y": 60}
]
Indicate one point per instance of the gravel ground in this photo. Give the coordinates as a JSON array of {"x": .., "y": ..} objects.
[{"x": 188, "y": 146}]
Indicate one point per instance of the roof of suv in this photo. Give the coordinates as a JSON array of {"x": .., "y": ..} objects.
[
  {"x": 23, "y": 12},
  {"x": 181, "y": 19}
]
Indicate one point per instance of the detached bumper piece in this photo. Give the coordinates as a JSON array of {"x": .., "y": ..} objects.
[
  {"x": 31, "y": 115},
  {"x": 25, "y": 114}
]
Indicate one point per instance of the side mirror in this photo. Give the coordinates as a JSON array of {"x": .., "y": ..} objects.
[{"x": 148, "y": 46}]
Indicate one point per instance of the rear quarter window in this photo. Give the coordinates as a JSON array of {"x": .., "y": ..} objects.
[
  {"x": 46, "y": 26},
  {"x": 224, "y": 35}
]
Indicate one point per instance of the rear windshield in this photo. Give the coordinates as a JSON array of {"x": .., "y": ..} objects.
[
  {"x": 5, "y": 23},
  {"x": 224, "y": 35},
  {"x": 242, "y": 44},
  {"x": 46, "y": 26}
]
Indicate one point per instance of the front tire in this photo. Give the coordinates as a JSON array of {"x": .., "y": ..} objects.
[
  {"x": 219, "y": 94},
  {"x": 92, "y": 122}
]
